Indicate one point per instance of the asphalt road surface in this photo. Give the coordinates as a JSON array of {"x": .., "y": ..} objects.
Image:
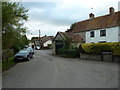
[{"x": 47, "y": 71}]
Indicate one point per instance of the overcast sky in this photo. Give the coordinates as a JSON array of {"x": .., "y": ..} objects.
[{"x": 52, "y": 16}]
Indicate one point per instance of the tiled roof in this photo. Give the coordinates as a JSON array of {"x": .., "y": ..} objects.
[
  {"x": 44, "y": 39},
  {"x": 105, "y": 21},
  {"x": 68, "y": 30},
  {"x": 75, "y": 37}
]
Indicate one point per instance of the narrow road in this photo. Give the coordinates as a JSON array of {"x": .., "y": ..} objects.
[{"x": 47, "y": 71}]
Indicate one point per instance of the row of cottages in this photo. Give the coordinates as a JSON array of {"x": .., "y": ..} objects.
[
  {"x": 61, "y": 36},
  {"x": 44, "y": 42},
  {"x": 99, "y": 29},
  {"x": 93, "y": 30}
]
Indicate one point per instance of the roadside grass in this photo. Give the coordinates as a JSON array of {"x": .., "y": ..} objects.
[
  {"x": 7, "y": 64},
  {"x": 0, "y": 65}
]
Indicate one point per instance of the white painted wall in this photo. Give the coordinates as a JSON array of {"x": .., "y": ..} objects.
[
  {"x": 47, "y": 42},
  {"x": 112, "y": 35}
]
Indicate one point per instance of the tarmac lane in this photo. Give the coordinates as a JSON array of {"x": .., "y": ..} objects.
[{"x": 48, "y": 71}]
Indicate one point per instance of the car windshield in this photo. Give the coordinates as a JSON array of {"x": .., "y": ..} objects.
[
  {"x": 23, "y": 51},
  {"x": 29, "y": 48}
]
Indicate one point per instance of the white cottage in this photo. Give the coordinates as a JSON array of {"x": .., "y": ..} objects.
[
  {"x": 100, "y": 29},
  {"x": 44, "y": 42},
  {"x": 47, "y": 43}
]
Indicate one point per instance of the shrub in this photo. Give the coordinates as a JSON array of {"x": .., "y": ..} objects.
[
  {"x": 97, "y": 48},
  {"x": 81, "y": 50},
  {"x": 6, "y": 65},
  {"x": 7, "y": 53},
  {"x": 69, "y": 52}
]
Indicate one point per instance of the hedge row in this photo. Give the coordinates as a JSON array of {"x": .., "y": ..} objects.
[
  {"x": 97, "y": 48},
  {"x": 6, "y": 65},
  {"x": 6, "y": 53},
  {"x": 69, "y": 52}
]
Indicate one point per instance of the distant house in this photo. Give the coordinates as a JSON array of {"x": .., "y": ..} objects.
[
  {"x": 60, "y": 36},
  {"x": 100, "y": 29},
  {"x": 47, "y": 43},
  {"x": 44, "y": 42}
]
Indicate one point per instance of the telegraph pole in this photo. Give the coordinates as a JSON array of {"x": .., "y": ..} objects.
[{"x": 39, "y": 37}]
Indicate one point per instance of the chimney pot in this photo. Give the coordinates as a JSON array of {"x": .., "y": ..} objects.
[
  {"x": 91, "y": 15},
  {"x": 111, "y": 10}
]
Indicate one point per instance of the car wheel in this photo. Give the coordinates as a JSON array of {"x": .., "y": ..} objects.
[
  {"x": 28, "y": 58},
  {"x": 15, "y": 60},
  {"x": 32, "y": 56}
]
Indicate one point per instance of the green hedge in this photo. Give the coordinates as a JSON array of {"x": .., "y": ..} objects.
[
  {"x": 97, "y": 48},
  {"x": 0, "y": 66},
  {"x": 8, "y": 64},
  {"x": 69, "y": 52},
  {"x": 6, "y": 53}
]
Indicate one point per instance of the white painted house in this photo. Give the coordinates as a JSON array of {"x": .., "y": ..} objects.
[
  {"x": 47, "y": 43},
  {"x": 44, "y": 42},
  {"x": 103, "y": 35},
  {"x": 100, "y": 29}
]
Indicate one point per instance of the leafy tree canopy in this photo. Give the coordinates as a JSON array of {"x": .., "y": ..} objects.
[
  {"x": 32, "y": 39},
  {"x": 72, "y": 25},
  {"x": 13, "y": 17}
]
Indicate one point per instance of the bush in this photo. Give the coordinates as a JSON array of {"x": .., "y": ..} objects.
[
  {"x": 7, "y": 53},
  {"x": 8, "y": 64},
  {"x": 69, "y": 52},
  {"x": 97, "y": 48},
  {"x": 81, "y": 49}
]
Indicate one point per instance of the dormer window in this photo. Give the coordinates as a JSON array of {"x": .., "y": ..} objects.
[
  {"x": 92, "y": 34},
  {"x": 102, "y": 33}
]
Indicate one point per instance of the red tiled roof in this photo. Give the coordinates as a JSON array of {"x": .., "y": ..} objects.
[
  {"x": 46, "y": 38},
  {"x": 75, "y": 37},
  {"x": 105, "y": 21}
]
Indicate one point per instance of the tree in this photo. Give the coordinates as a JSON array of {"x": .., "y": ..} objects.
[
  {"x": 32, "y": 39},
  {"x": 67, "y": 42},
  {"x": 13, "y": 16},
  {"x": 72, "y": 25}
]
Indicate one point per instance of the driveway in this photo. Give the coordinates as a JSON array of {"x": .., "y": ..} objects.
[{"x": 47, "y": 71}]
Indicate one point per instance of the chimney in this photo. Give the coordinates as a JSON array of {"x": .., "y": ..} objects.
[
  {"x": 91, "y": 16},
  {"x": 111, "y": 10}
]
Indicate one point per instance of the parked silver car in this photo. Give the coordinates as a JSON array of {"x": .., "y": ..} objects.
[
  {"x": 23, "y": 55},
  {"x": 30, "y": 49}
]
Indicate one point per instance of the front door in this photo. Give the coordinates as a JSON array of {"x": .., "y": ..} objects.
[{"x": 58, "y": 45}]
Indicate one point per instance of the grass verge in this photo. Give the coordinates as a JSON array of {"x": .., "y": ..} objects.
[
  {"x": 0, "y": 65},
  {"x": 7, "y": 64}
]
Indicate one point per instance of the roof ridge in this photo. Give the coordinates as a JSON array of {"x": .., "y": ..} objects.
[
  {"x": 100, "y": 22},
  {"x": 98, "y": 17}
]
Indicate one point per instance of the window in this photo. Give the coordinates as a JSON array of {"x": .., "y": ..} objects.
[
  {"x": 102, "y": 33},
  {"x": 92, "y": 34}
]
